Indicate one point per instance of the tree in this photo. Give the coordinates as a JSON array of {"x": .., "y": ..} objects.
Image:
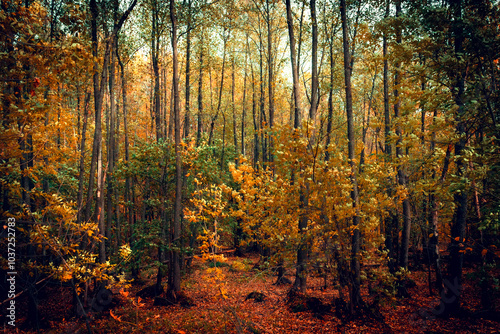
[
  {"x": 174, "y": 278},
  {"x": 355, "y": 292},
  {"x": 99, "y": 81}
]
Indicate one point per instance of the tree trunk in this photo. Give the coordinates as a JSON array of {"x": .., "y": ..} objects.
[
  {"x": 295, "y": 72},
  {"x": 235, "y": 134},
  {"x": 111, "y": 145},
  {"x": 330, "y": 98},
  {"x": 155, "y": 50},
  {"x": 255, "y": 125},
  {"x": 355, "y": 293},
  {"x": 244, "y": 106},
  {"x": 366, "y": 125},
  {"x": 390, "y": 220},
  {"x": 214, "y": 118},
  {"x": 405, "y": 239},
  {"x": 314, "y": 65},
  {"x": 434, "y": 239},
  {"x": 300, "y": 273},
  {"x": 187, "y": 115},
  {"x": 200, "y": 96},
  {"x": 128, "y": 207},
  {"x": 454, "y": 281},
  {"x": 81, "y": 176},
  {"x": 262, "y": 113},
  {"x": 270, "y": 83},
  {"x": 174, "y": 285}
]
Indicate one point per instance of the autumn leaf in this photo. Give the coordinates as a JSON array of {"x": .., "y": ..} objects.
[
  {"x": 114, "y": 316},
  {"x": 124, "y": 293},
  {"x": 139, "y": 304}
]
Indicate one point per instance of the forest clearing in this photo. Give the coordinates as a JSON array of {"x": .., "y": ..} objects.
[{"x": 250, "y": 166}]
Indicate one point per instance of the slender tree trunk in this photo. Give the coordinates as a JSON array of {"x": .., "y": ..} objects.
[
  {"x": 221, "y": 165},
  {"x": 262, "y": 114},
  {"x": 244, "y": 103},
  {"x": 255, "y": 125},
  {"x": 434, "y": 239},
  {"x": 96, "y": 162},
  {"x": 314, "y": 65},
  {"x": 214, "y": 118},
  {"x": 200, "y": 96},
  {"x": 82, "y": 159},
  {"x": 164, "y": 90},
  {"x": 187, "y": 115},
  {"x": 233, "y": 106},
  {"x": 366, "y": 125},
  {"x": 330, "y": 99},
  {"x": 390, "y": 220},
  {"x": 402, "y": 178},
  {"x": 459, "y": 224},
  {"x": 174, "y": 267},
  {"x": 111, "y": 145},
  {"x": 355, "y": 292},
  {"x": 26, "y": 163},
  {"x": 171, "y": 115},
  {"x": 128, "y": 185},
  {"x": 270, "y": 70},
  {"x": 295, "y": 70},
  {"x": 155, "y": 50},
  {"x": 300, "y": 273}
]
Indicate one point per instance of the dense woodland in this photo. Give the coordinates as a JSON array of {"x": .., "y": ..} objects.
[{"x": 351, "y": 145}]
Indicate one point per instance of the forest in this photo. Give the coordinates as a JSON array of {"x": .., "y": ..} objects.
[{"x": 250, "y": 166}]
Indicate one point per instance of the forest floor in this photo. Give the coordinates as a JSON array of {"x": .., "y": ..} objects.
[{"x": 220, "y": 305}]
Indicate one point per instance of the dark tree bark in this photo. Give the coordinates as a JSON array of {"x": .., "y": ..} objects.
[
  {"x": 391, "y": 220},
  {"x": 453, "y": 295},
  {"x": 270, "y": 71},
  {"x": 233, "y": 105},
  {"x": 174, "y": 283},
  {"x": 314, "y": 65},
  {"x": 402, "y": 178},
  {"x": 300, "y": 273},
  {"x": 81, "y": 176},
  {"x": 355, "y": 292},
  {"x": 187, "y": 114},
  {"x": 112, "y": 130},
  {"x": 244, "y": 104},
  {"x": 214, "y": 118},
  {"x": 128, "y": 182},
  {"x": 434, "y": 239},
  {"x": 255, "y": 118},
  {"x": 155, "y": 54},
  {"x": 295, "y": 71},
  {"x": 366, "y": 125},
  {"x": 200, "y": 96},
  {"x": 330, "y": 96}
]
